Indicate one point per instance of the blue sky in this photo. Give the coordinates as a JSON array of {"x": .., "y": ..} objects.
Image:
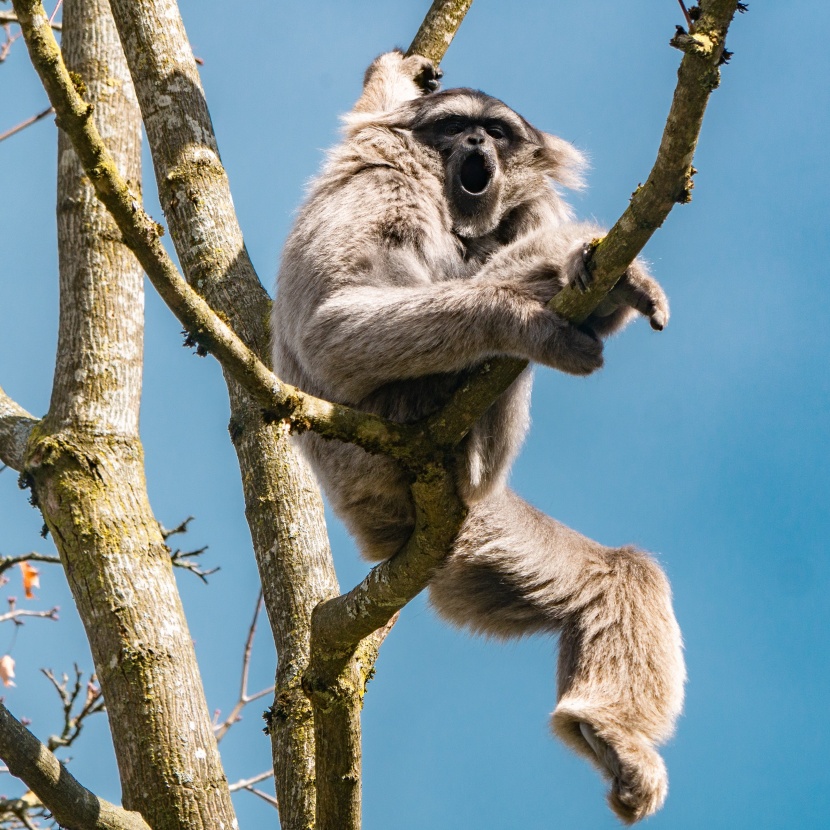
[{"x": 708, "y": 444}]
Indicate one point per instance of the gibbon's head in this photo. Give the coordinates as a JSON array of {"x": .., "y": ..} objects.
[{"x": 494, "y": 161}]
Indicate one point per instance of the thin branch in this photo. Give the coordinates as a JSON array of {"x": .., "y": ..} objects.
[
  {"x": 7, "y": 44},
  {"x": 24, "y": 812},
  {"x": 8, "y": 18},
  {"x": 16, "y": 613},
  {"x": 92, "y": 704},
  {"x": 179, "y": 528},
  {"x": 247, "y": 783},
  {"x": 184, "y": 560},
  {"x": 7, "y": 562},
  {"x": 16, "y": 424},
  {"x": 270, "y": 799},
  {"x": 27, "y": 123},
  {"x": 244, "y": 698},
  {"x": 686, "y": 14},
  {"x": 72, "y": 805}
]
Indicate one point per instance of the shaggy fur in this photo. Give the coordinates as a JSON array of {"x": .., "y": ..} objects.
[{"x": 431, "y": 241}]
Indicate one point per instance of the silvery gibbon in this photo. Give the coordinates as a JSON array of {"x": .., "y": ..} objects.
[{"x": 431, "y": 241}]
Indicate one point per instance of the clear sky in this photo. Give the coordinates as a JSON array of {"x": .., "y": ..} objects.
[{"x": 708, "y": 444}]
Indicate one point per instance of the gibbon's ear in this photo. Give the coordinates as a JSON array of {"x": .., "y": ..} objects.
[{"x": 563, "y": 162}]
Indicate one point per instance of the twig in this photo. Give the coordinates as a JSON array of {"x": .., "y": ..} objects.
[
  {"x": 181, "y": 559},
  {"x": 689, "y": 21},
  {"x": 27, "y": 123},
  {"x": 247, "y": 783},
  {"x": 24, "y": 812},
  {"x": 265, "y": 797},
  {"x": 93, "y": 703},
  {"x": 7, "y": 562},
  {"x": 249, "y": 786},
  {"x": 179, "y": 528},
  {"x": 8, "y": 43},
  {"x": 71, "y": 804},
  {"x": 244, "y": 698},
  {"x": 16, "y": 613},
  {"x": 9, "y": 18}
]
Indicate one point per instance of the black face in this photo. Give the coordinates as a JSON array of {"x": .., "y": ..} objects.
[
  {"x": 479, "y": 140},
  {"x": 473, "y": 149}
]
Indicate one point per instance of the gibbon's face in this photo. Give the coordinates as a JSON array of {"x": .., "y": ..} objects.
[{"x": 477, "y": 138}]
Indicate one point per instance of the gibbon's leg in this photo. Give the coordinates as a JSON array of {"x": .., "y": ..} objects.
[{"x": 515, "y": 571}]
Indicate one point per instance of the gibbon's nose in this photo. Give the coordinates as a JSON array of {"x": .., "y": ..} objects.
[{"x": 475, "y": 139}]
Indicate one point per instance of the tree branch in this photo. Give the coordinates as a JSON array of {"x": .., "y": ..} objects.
[
  {"x": 283, "y": 505},
  {"x": 16, "y": 613},
  {"x": 244, "y": 698},
  {"x": 143, "y": 236},
  {"x": 73, "y": 723},
  {"x": 7, "y": 562},
  {"x": 669, "y": 183},
  {"x": 72, "y": 805},
  {"x": 8, "y": 18},
  {"x": 16, "y": 425},
  {"x": 439, "y": 28},
  {"x": 27, "y": 123},
  {"x": 248, "y": 784}
]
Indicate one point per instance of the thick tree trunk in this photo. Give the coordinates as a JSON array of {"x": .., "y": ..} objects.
[
  {"x": 85, "y": 465},
  {"x": 282, "y": 503}
]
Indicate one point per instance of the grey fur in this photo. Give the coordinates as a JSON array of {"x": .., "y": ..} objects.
[{"x": 432, "y": 240}]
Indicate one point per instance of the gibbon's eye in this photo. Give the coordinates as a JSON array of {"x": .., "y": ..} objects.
[
  {"x": 496, "y": 131},
  {"x": 452, "y": 126}
]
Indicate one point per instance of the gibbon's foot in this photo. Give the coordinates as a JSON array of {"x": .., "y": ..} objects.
[
  {"x": 424, "y": 72},
  {"x": 637, "y": 773}
]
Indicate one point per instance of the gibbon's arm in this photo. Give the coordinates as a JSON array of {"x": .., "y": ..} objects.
[{"x": 365, "y": 336}]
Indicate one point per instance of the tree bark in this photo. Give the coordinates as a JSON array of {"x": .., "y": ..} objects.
[
  {"x": 438, "y": 29},
  {"x": 282, "y": 503},
  {"x": 16, "y": 425},
  {"x": 84, "y": 464}
]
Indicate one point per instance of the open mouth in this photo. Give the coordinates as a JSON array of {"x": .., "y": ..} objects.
[{"x": 474, "y": 175}]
